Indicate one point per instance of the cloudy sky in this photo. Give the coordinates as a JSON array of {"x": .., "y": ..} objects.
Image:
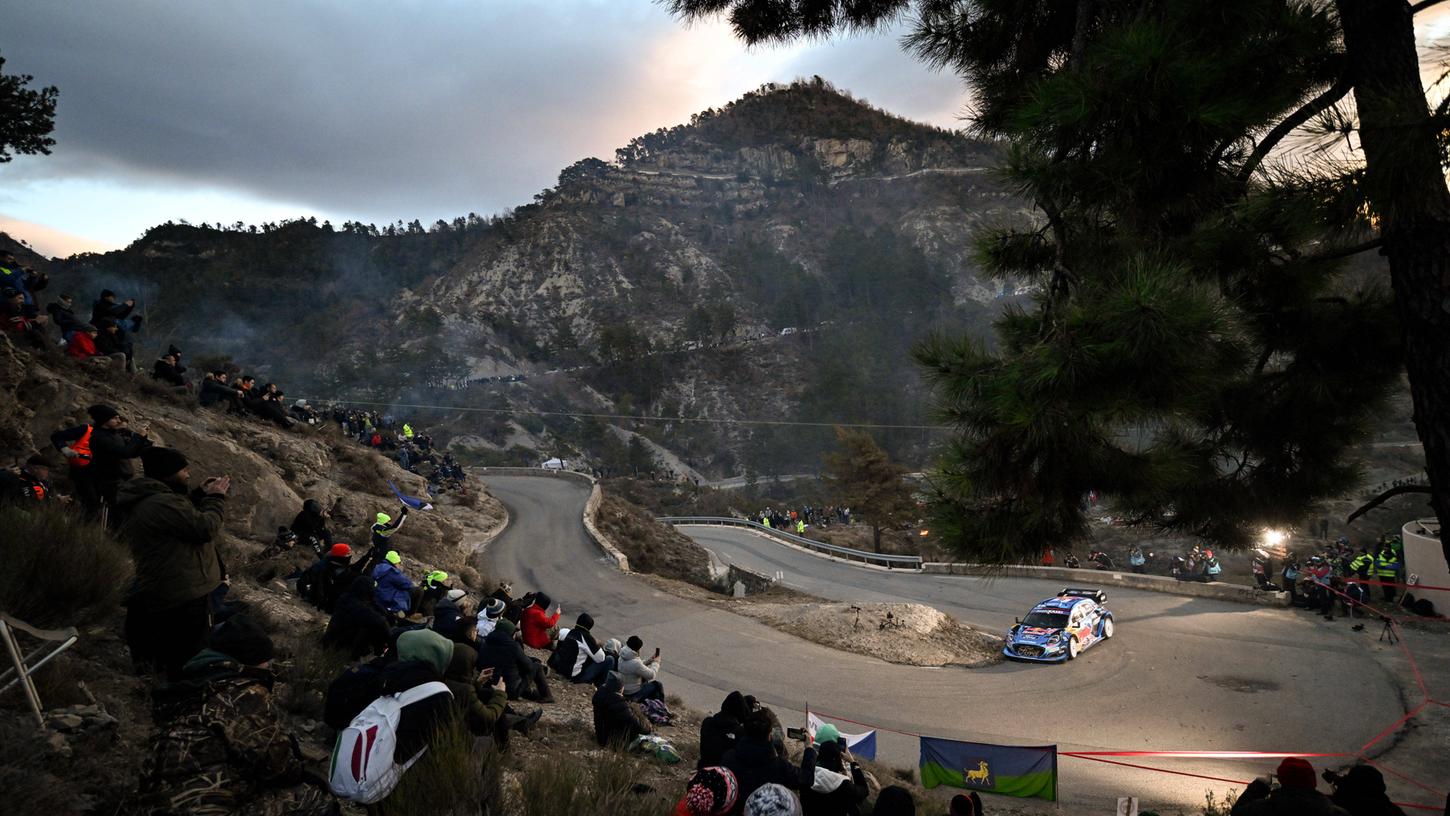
[{"x": 374, "y": 110}]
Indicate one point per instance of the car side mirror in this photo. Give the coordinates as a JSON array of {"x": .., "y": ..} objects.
[{"x": 1017, "y": 621}]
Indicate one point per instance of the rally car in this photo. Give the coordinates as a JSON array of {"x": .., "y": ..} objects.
[{"x": 1059, "y": 628}]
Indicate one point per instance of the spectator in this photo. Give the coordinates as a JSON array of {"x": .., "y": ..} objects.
[
  {"x": 962, "y": 806},
  {"x": 112, "y": 343},
  {"x": 709, "y": 792},
  {"x": 772, "y": 800},
  {"x": 358, "y": 626},
  {"x": 433, "y": 590},
  {"x": 894, "y": 801},
  {"x": 523, "y": 676},
  {"x": 1296, "y": 795},
  {"x": 755, "y": 761},
  {"x": 310, "y": 525},
  {"x": 382, "y": 533},
  {"x": 215, "y": 390},
  {"x": 638, "y": 676},
  {"x": 1137, "y": 561},
  {"x": 62, "y": 314},
  {"x": 1361, "y": 792},
  {"x": 616, "y": 722},
  {"x": 395, "y": 592},
  {"x": 169, "y": 370},
  {"x": 171, "y": 535},
  {"x": 324, "y": 582},
  {"x": 839, "y": 787},
  {"x": 107, "y": 309},
  {"x": 578, "y": 657},
  {"x": 220, "y": 745},
  {"x": 480, "y": 705},
  {"x": 536, "y": 622},
  {"x": 720, "y": 731},
  {"x": 75, "y": 444},
  {"x": 449, "y": 613},
  {"x": 21, "y": 278},
  {"x": 29, "y": 484},
  {"x": 22, "y": 320},
  {"x": 492, "y": 612},
  {"x": 81, "y": 345},
  {"x": 113, "y": 447},
  {"x": 423, "y": 657}
]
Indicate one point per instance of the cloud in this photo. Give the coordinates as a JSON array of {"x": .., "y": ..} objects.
[
  {"x": 389, "y": 109},
  {"x": 48, "y": 241}
]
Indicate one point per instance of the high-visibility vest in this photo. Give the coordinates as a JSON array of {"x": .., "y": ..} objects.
[
  {"x": 82, "y": 448},
  {"x": 1363, "y": 564},
  {"x": 1388, "y": 566}
]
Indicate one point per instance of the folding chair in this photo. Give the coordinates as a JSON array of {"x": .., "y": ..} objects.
[{"x": 23, "y": 670}]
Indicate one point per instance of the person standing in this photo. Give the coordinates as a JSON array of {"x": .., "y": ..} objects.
[
  {"x": 1387, "y": 570},
  {"x": 171, "y": 533},
  {"x": 113, "y": 447}
]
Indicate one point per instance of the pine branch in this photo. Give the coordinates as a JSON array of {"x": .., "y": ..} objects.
[
  {"x": 1308, "y": 111},
  {"x": 1345, "y": 252}
]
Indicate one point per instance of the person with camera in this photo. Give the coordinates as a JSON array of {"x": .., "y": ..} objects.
[
  {"x": 638, "y": 675},
  {"x": 1294, "y": 796},
  {"x": 840, "y": 786}
]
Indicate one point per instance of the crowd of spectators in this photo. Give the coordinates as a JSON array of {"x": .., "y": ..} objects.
[{"x": 798, "y": 520}]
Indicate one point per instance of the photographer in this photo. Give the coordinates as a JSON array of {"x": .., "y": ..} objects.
[
  {"x": 1295, "y": 795},
  {"x": 1361, "y": 791}
]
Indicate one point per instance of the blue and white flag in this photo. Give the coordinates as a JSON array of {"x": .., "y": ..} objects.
[
  {"x": 862, "y": 745},
  {"x": 410, "y": 501}
]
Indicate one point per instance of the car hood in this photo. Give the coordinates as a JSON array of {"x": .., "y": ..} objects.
[{"x": 1033, "y": 634}]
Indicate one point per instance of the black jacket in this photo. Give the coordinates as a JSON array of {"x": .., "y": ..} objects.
[
  {"x": 615, "y": 720},
  {"x": 22, "y": 488},
  {"x": 213, "y": 392},
  {"x": 845, "y": 800},
  {"x": 420, "y": 720},
  {"x": 1258, "y": 800},
  {"x": 65, "y": 319},
  {"x": 755, "y": 764},
  {"x": 102, "y": 310},
  {"x": 325, "y": 581},
  {"x": 168, "y": 373},
  {"x": 357, "y": 624},
  {"x": 310, "y": 525},
  {"x": 112, "y": 450},
  {"x": 500, "y": 652},
  {"x": 720, "y": 730}
]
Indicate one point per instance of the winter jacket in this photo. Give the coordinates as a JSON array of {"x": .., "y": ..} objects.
[
  {"x": 325, "y": 581},
  {"x": 720, "y": 731},
  {"x": 500, "y": 652},
  {"x": 635, "y": 672},
  {"x": 394, "y": 589},
  {"x": 574, "y": 650},
  {"x": 113, "y": 450},
  {"x": 81, "y": 346},
  {"x": 22, "y": 488},
  {"x": 422, "y": 719},
  {"x": 220, "y": 747},
  {"x": 63, "y": 317},
  {"x": 108, "y": 343},
  {"x": 310, "y": 525},
  {"x": 102, "y": 311},
  {"x": 615, "y": 720},
  {"x": 213, "y": 392},
  {"x": 1259, "y": 800},
  {"x": 446, "y": 616},
  {"x": 535, "y": 625},
  {"x": 171, "y": 535},
  {"x": 357, "y": 625},
  {"x": 168, "y": 373},
  {"x": 755, "y": 763},
  {"x": 480, "y": 707},
  {"x": 835, "y": 794}
]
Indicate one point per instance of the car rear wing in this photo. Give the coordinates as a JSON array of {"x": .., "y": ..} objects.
[{"x": 1095, "y": 594}]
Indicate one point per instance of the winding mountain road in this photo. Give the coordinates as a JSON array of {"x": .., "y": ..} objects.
[{"x": 1181, "y": 674}]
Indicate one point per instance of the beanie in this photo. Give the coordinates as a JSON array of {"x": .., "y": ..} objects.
[
  {"x": 37, "y": 460},
  {"x": 162, "y": 463},
  {"x": 393, "y": 558},
  {"x": 711, "y": 792},
  {"x": 584, "y": 621},
  {"x": 494, "y": 609},
  {"x": 634, "y": 643},
  {"x": 455, "y": 594},
  {"x": 541, "y": 600},
  {"x": 101, "y": 414},
  {"x": 961, "y": 805},
  {"x": 506, "y": 626},
  {"x": 827, "y": 733},
  {"x": 772, "y": 800},
  {"x": 384, "y": 518},
  {"x": 241, "y": 640},
  {"x": 105, "y": 293},
  {"x": 340, "y": 550},
  {"x": 1296, "y": 772}
]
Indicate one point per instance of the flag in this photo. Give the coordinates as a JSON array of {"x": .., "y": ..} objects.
[
  {"x": 862, "y": 745},
  {"x": 410, "y": 501},
  {"x": 1010, "y": 770}
]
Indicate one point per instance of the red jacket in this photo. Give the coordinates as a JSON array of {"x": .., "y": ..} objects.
[
  {"x": 81, "y": 346},
  {"x": 536, "y": 625}
]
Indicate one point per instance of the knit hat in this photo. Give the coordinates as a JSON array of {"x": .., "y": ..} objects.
[
  {"x": 894, "y": 801},
  {"x": 101, "y": 414},
  {"x": 393, "y": 558},
  {"x": 455, "y": 594},
  {"x": 242, "y": 641},
  {"x": 161, "y": 463},
  {"x": 961, "y": 805},
  {"x": 584, "y": 621},
  {"x": 634, "y": 643},
  {"x": 105, "y": 293},
  {"x": 711, "y": 792},
  {"x": 772, "y": 800},
  {"x": 37, "y": 460},
  {"x": 340, "y": 550},
  {"x": 428, "y": 646},
  {"x": 827, "y": 733},
  {"x": 1296, "y": 772},
  {"x": 506, "y": 626},
  {"x": 494, "y": 609},
  {"x": 384, "y": 518}
]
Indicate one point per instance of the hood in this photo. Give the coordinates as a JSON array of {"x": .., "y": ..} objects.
[
  {"x": 133, "y": 492},
  {"x": 828, "y": 781},
  {"x": 427, "y": 646},
  {"x": 734, "y": 706},
  {"x": 1034, "y": 635},
  {"x": 461, "y": 665},
  {"x": 312, "y": 506},
  {"x": 626, "y": 653}
]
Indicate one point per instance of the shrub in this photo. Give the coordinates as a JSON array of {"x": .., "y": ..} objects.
[
  {"x": 61, "y": 569},
  {"x": 1213, "y": 806},
  {"x": 603, "y": 785},
  {"x": 460, "y": 774}
]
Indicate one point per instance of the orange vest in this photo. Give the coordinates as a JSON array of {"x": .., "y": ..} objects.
[{"x": 82, "y": 448}]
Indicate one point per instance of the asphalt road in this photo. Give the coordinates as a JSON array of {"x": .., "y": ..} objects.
[{"x": 1181, "y": 674}]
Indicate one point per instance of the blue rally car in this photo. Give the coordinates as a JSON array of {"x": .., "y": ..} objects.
[{"x": 1060, "y": 628}]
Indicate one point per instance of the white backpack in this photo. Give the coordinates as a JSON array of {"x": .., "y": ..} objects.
[{"x": 364, "y": 769}]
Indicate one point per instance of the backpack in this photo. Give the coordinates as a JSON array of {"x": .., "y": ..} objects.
[
  {"x": 657, "y": 712},
  {"x": 363, "y": 768},
  {"x": 351, "y": 692}
]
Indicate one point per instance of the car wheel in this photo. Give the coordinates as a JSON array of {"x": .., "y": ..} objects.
[
  {"x": 1072, "y": 648},
  {"x": 1107, "y": 628}
]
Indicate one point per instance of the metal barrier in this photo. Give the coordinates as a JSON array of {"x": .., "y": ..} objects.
[{"x": 864, "y": 556}]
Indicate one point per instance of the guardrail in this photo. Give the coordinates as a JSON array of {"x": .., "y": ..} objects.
[{"x": 864, "y": 556}]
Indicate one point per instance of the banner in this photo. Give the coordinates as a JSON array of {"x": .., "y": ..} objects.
[
  {"x": 410, "y": 501},
  {"x": 1010, "y": 770},
  {"x": 862, "y": 745}
]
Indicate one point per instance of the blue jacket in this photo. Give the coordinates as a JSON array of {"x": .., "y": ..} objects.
[{"x": 393, "y": 588}]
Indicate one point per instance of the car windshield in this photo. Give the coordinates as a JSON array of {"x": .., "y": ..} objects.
[{"x": 1046, "y": 620}]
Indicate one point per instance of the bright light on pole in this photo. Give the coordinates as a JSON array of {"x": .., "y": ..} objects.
[{"x": 1274, "y": 538}]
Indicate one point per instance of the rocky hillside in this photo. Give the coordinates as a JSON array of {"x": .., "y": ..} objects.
[{"x": 765, "y": 259}]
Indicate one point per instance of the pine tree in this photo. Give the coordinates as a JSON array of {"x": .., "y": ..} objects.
[
  {"x": 862, "y": 477},
  {"x": 1196, "y": 351},
  {"x": 26, "y": 116}
]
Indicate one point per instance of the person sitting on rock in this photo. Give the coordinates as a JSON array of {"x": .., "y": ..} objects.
[
  {"x": 720, "y": 731},
  {"x": 535, "y": 622},
  {"x": 488, "y": 620},
  {"x": 839, "y": 787},
  {"x": 21, "y": 320},
  {"x": 578, "y": 657},
  {"x": 710, "y": 791},
  {"x": 168, "y": 369},
  {"x": 423, "y": 657},
  {"x": 433, "y": 589},
  {"x": 382, "y": 531},
  {"x": 220, "y": 745},
  {"x": 1361, "y": 791},
  {"x": 448, "y": 614},
  {"x": 310, "y": 525},
  {"x": 358, "y": 626},
  {"x": 395, "y": 591},
  {"x": 616, "y": 722},
  {"x": 638, "y": 675},
  {"x": 62, "y": 314},
  {"x": 27, "y": 486},
  {"x": 755, "y": 761},
  {"x": 523, "y": 676},
  {"x": 324, "y": 582},
  {"x": 481, "y": 699}
]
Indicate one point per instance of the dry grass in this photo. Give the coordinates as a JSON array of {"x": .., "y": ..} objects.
[
  {"x": 461, "y": 774},
  {"x": 61, "y": 569},
  {"x": 603, "y": 786},
  {"x": 652, "y": 547}
]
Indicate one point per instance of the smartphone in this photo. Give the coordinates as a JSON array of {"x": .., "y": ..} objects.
[{"x": 796, "y": 734}]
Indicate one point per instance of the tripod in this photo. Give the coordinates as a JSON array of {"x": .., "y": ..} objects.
[{"x": 1388, "y": 632}]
